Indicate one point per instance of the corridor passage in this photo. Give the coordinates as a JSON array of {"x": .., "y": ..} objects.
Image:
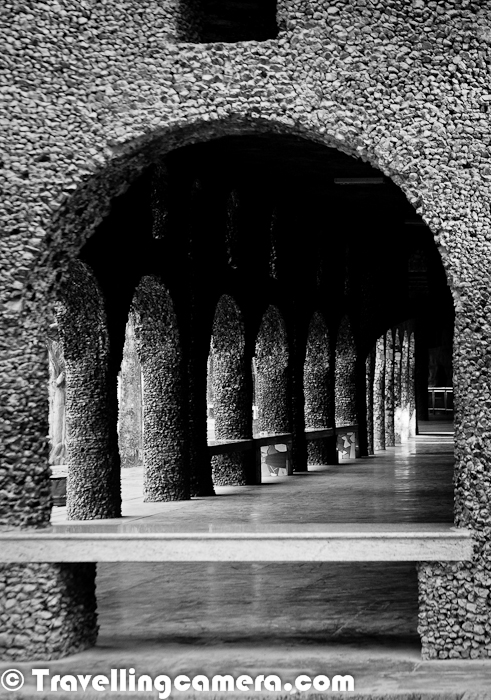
[{"x": 365, "y": 603}]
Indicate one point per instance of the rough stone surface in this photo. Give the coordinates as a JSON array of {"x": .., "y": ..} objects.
[
  {"x": 272, "y": 385},
  {"x": 318, "y": 390},
  {"x": 165, "y": 450},
  {"x": 398, "y": 373},
  {"x": 345, "y": 375},
  {"x": 47, "y": 611},
  {"x": 379, "y": 396},
  {"x": 412, "y": 386},
  {"x": 232, "y": 404},
  {"x": 93, "y": 484},
  {"x": 389, "y": 389}
]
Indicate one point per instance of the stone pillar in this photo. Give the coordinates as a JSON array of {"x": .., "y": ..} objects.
[
  {"x": 130, "y": 403},
  {"x": 232, "y": 401},
  {"x": 389, "y": 389},
  {"x": 411, "y": 386},
  {"x": 345, "y": 375},
  {"x": 165, "y": 449},
  {"x": 397, "y": 386},
  {"x": 454, "y": 598},
  {"x": 93, "y": 484},
  {"x": 379, "y": 396},
  {"x": 405, "y": 410},
  {"x": 318, "y": 388},
  {"x": 46, "y": 610},
  {"x": 369, "y": 384},
  {"x": 272, "y": 381}
]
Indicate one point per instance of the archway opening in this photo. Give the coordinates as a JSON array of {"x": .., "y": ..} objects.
[{"x": 278, "y": 222}]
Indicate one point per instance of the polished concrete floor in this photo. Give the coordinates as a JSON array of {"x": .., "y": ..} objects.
[
  {"x": 409, "y": 483},
  {"x": 283, "y": 618}
]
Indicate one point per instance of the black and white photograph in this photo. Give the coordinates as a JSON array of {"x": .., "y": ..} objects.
[{"x": 245, "y": 369}]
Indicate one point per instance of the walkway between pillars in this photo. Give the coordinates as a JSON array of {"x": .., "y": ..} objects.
[
  {"x": 411, "y": 483},
  {"x": 289, "y": 603}
]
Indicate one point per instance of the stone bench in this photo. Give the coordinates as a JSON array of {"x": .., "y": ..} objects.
[
  {"x": 220, "y": 447},
  {"x": 119, "y": 542}
]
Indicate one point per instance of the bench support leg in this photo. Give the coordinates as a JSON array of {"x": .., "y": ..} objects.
[{"x": 49, "y": 610}]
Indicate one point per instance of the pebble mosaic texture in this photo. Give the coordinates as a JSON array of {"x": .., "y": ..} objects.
[
  {"x": 165, "y": 452},
  {"x": 93, "y": 485},
  {"x": 318, "y": 391},
  {"x": 345, "y": 375},
  {"x": 48, "y": 610},
  {"x": 272, "y": 385},
  {"x": 93, "y": 92},
  {"x": 232, "y": 404}
]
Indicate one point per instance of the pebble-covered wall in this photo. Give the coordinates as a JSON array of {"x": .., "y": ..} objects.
[
  {"x": 272, "y": 376},
  {"x": 165, "y": 450},
  {"x": 232, "y": 402},
  {"x": 93, "y": 92}
]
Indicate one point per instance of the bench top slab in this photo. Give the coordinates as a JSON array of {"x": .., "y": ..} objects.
[{"x": 139, "y": 542}]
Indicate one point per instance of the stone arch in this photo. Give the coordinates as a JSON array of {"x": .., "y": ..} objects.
[
  {"x": 96, "y": 182},
  {"x": 165, "y": 450},
  {"x": 318, "y": 390},
  {"x": 345, "y": 375},
  {"x": 232, "y": 401},
  {"x": 93, "y": 484},
  {"x": 272, "y": 374},
  {"x": 120, "y": 166}
]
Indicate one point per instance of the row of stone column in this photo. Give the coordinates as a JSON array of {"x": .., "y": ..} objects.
[
  {"x": 158, "y": 384},
  {"x": 390, "y": 389},
  {"x": 327, "y": 386}
]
